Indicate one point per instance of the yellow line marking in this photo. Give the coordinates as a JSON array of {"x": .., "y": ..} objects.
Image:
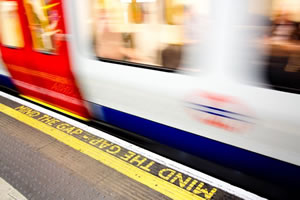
[
  {"x": 50, "y": 6},
  {"x": 55, "y": 108},
  {"x": 137, "y": 174}
]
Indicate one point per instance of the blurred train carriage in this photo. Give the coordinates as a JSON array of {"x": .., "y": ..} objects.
[
  {"x": 216, "y": 79},
  {"x": 36, "y": 53}
]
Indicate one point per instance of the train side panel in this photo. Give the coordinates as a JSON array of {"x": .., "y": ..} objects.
[
  {"x": 209, "y": 112},
  {"x": 35, "y": 51}
]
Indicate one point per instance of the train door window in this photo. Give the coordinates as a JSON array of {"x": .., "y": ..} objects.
[
  {"x": 146, "y": 33},
  {"x": 279, "y": 45},
  {"x": 43, "y": 21},
  {"x": 10, "y": 26}
]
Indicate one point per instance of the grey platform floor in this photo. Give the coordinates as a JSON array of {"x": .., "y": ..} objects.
[{"x": 42, "y": 168}]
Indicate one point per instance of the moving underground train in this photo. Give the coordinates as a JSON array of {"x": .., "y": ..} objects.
[{"x": 219, "y": 80}]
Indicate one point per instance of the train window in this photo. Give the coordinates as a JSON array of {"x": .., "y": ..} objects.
[
  {"x": 152, "y": 33},
  {"x": 280, "y": 42},
  {"x": 43, "y": 21},
  {"x": 11, "y": 31}
]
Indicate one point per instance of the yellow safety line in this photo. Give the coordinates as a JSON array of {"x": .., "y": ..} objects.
[
  {"x": 50, "y": 6},
  {"x": 55, "y": 108},
  {"x": 135, "y": 173}
]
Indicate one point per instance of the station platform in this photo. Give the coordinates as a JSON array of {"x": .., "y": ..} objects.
[{"x": 45, "y": 155}]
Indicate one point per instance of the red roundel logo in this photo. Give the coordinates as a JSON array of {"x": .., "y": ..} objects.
[{"x": 219, "y": 111}]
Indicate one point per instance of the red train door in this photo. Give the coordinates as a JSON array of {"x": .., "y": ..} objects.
[{"x": 39, "y": 60}]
